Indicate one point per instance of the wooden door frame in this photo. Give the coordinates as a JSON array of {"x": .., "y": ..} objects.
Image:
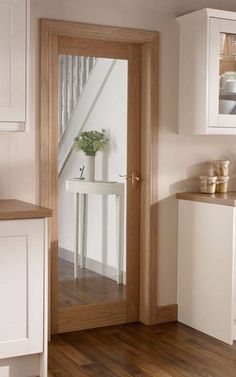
[{"x": 148, "y": 42}]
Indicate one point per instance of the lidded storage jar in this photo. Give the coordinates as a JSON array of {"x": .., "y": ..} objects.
[
  {"x": 222, "y": 184},
  {"x": 220, "y": 168},
  {"x": 207, "y": 184}
]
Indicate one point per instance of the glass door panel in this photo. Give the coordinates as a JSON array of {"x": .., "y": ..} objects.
[
  {"x": 227, "y": 70},
  {"x": 222, "y": 74},
  {"x": 92, "y": 96}
]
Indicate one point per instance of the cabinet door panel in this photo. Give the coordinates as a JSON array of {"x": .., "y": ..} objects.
[
  {"x": 5, "y": 48},
  {"x": 13, "y": 278},
  {"x": 12, "y": 60},
  {"x": 21, "y": 287},
  {"x": 206, "y": 268}
]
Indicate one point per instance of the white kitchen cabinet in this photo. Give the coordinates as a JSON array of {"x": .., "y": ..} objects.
[
  {"x": 23, "y": 288},
  {"x": 207, "y": 104},
  {"x": 206, "y": 289},
  {"x": 13, "y": 35}
]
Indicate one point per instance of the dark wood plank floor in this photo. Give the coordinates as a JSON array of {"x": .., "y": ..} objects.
[
  {"x": 136, "y": 350},
  {"x": 89, "y": 288}
]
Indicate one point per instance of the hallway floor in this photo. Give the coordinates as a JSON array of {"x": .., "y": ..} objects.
[
  {"x": 136, "y": 350},
  {"x": 89, "y": 288}
]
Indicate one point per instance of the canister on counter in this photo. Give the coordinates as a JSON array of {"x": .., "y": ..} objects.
[
  {"x": 222, "y": 184},
  {"x": 219, "y": 168},
  {"x": 208, "y": 184}
]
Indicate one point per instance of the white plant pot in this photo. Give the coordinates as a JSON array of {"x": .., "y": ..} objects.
[{"x": 89, "y": 163}]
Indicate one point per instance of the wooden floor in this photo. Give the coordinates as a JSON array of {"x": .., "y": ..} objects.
[
  {"x": 136, "y": 350},
  {"x": 89, "y": 288}
]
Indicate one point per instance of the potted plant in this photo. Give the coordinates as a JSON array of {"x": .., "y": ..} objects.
[{"x": 90, "y": 142}]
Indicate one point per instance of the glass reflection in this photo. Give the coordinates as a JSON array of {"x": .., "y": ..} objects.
[{"x": 92, "y": 253}]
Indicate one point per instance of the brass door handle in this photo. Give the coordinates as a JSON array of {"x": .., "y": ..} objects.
[{"x": 134, "y": 179}]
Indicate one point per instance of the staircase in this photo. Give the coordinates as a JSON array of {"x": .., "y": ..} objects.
[
  {"x": 81, "y": 80},
  {"x": 74, "y": 72}
]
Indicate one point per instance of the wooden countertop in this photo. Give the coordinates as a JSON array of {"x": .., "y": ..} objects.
[
  {"x": 12, "y": 209},
  {"x": 228, "y": 199}
]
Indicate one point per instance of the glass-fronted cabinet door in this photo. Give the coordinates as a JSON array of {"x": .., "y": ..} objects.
[{"x": 222, "y": 73}]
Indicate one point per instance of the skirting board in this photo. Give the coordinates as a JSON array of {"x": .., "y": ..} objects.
[
  {"x": 91, "y": 264},
  {"x": 167, "y": 313}
]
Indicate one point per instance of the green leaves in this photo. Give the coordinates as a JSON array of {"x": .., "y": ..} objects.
[{"x": 90, "y": 142}]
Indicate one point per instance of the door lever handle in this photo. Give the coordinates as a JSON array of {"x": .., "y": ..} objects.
[{"x": 134, "y": 180}]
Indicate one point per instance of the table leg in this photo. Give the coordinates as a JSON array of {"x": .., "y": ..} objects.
[
  {"x": 119, "y": 243},
  {"x": 76, "y": 244},
  {"x": 85, "y": 227},
  {"x": 82, "y": 228}
]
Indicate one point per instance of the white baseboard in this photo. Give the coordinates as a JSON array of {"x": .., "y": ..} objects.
[
  {"x": 66, "y": 254},
  {"x": 234, "y": 330},
  {"x": 91, "y": 264}
]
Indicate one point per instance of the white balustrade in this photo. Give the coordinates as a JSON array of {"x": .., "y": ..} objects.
[
  {"x": 74, "y": 72},
  {"x": 69, "y": 85},
  {"x": 63, "y": 86},
  {"x": 75, "y": 93},
  {"x": 81, "y": 73}
]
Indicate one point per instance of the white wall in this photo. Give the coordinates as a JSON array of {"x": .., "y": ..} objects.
[
  {"x": 179, "y": 157},
  {"x": 109, "y": 113}
]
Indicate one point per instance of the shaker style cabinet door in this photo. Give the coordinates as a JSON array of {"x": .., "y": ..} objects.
[
  {"x": 12, "y": 62},
  {"x": 206, "y": 268},
  {"x": 21, "y": 287}
]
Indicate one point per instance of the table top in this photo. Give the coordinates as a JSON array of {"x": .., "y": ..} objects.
[
  {"x": 228, "y": 199},
  {"x": 80, "y": 186},
  {"x": 12, "y": 209}
]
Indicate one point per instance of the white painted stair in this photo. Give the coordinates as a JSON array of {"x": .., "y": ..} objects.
[
  {"x": 74, "y": 72},
  {"x": 81, "y": 82}
]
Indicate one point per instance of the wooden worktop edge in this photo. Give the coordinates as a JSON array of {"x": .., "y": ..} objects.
[{"x": 12, "y": 209}]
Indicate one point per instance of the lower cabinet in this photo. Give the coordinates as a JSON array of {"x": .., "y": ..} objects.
[
  {"x": 206, "y": 267},
  {"x": 23, "y": 285}
]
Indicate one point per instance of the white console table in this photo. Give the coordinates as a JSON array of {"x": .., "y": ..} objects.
[{"x": 81, "y": 189}]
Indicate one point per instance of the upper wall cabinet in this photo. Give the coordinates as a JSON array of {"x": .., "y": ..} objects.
[
  {"x": 207, "y": 95},
  {"x": 13, "y": 64}
]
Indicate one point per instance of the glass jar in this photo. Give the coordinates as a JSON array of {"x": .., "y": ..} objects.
[
  {"x": 208, "y": 184},
  {"x": 222, "y": 184},
  {"x": 220, "y": 168}
]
